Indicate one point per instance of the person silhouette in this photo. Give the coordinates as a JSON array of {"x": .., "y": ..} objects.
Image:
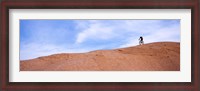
[{"x": 141, "y": 42}]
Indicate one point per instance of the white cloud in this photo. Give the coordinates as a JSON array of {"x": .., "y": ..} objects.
[
  {"x": 95, "y": 30},
  {"x": 130, "y": 30},
  {"x": 160, "y": 34}
]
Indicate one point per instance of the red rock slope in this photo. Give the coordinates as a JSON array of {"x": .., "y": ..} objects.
[{"x": 160, "y": 56}]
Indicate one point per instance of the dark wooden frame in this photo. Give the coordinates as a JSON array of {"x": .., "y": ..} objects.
[{"x": 99, "y": 4}]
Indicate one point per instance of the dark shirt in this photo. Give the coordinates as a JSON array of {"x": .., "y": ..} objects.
[{"x": 141, "y": 38}]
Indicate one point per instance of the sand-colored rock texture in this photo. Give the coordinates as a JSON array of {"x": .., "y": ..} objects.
[{"x": 158, "y": 56}]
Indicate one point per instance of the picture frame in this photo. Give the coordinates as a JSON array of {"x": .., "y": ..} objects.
[{"x": 103, "y": 4}]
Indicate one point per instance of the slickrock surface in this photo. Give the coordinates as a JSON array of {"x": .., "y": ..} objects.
[{"x": 158, "y": 56}]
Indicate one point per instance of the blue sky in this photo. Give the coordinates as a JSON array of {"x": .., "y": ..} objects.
[{"x": 46, "y": 37}]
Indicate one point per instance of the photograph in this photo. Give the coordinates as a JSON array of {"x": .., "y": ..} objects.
[
  {"x": 99, "y": 45},
  {"x": 113, "y": 45}
]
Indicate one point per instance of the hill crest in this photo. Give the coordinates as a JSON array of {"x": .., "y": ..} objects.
[{"x": 158, "y": 56}]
